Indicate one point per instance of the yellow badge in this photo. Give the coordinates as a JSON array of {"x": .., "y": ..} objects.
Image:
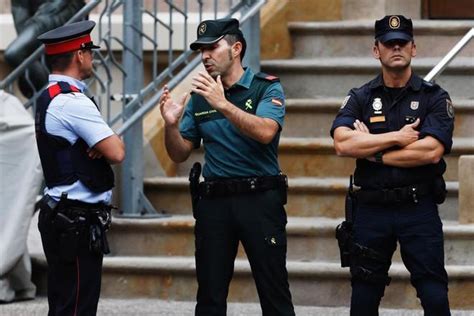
[
  {"x": 376, "y": 119},
  {"x": 202, "y": 28},
  {"x": 394, "y": 22}
]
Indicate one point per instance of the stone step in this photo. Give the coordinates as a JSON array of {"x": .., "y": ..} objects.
[
  {"x": 321, "y": 77},
  {"x": 307, "y": 197},
  {"x": 315, "y": 157},
  {"x": 309, "y": 239},
  {"x": 311, "y": 283},
  {"x": 356, "y": 38},
  {"x": 314, "y": 117}
]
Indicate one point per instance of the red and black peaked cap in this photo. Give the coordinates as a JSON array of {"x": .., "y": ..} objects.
[{"x": 68, "y": 38}]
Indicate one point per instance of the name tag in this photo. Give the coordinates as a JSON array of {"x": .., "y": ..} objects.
[{"x": 376, "y": 119}]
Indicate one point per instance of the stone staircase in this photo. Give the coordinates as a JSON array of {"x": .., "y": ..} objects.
[{"x": 154, "y": 257}]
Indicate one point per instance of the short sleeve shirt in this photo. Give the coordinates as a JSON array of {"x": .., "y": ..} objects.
[
  {"x": 373, "y": 105},
  {"x": 73, "y": 116},
  {"x": 228, "y": 152}
]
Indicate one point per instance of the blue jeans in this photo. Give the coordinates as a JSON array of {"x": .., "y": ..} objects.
[{"x": 418, "y": 229}]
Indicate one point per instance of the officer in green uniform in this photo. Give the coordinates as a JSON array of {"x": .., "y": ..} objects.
[{"x": 238, "y": 115}]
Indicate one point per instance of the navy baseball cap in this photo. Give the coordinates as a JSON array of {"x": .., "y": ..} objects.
[
  {"x": 211, "y": 31},
  {"x": 68, "y": 38},
  {"x": 393, "y": 27}
]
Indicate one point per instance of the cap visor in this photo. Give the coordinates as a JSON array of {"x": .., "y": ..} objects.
[
  {"x": 395, "y": 36},
  {"x": 204, "y": 41}
]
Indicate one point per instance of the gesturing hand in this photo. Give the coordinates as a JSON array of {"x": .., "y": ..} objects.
[
  {"x": 171, "y": 111},
  {"x": 212, "y": 90}
]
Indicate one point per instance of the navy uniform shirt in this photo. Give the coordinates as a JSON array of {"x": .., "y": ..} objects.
[
  {"x": 374, "y": 104},
  {"x": 228, "y": 152}
]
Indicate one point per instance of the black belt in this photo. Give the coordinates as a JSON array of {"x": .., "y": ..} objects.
[
  {"x": 234, "y": 186},
  {"x": 72, "y": 207},
  {"x": 394, "y": 195}
]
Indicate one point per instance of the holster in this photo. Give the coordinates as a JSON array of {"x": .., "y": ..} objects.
[{"x": 194, "y": 176}]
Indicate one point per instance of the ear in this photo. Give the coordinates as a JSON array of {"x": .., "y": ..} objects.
[
  {"x": 236, "y": 49},
  {"x": 80, "y": 56},
  {"x": 413, "y": 50},
  {"x": 376, "y": 52}
]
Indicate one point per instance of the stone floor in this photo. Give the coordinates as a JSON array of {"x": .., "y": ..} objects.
[{"x": 39, "y": 306}]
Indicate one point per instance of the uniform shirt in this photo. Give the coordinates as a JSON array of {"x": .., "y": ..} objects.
[
  {"x": 229, "y": 153},
  {"x": 372, "y": 104},
  {"x": 73, "y": 116}
]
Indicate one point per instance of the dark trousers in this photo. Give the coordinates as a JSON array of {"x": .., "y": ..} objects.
[
  {"x": 418, "y": 229},
  {"x": 74, "y": 273},
  {"x": 258, "y": 220}
]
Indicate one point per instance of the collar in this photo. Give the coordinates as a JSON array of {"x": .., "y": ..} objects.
[
  {"x": 72, "y": 81},
  {"x": 246, "y": 80},
  {"x": 414, "y": 82}
]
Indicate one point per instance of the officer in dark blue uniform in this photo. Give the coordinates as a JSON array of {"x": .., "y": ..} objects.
[
  {"x": 238, "y": 115},
  {"x": 76, "y": 149},
  {"x": 398, "y": 126}
]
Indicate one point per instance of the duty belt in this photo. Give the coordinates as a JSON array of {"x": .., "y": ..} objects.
[
  {"x": 234, "y": 186},
  {"x": 394, "y": 195}
]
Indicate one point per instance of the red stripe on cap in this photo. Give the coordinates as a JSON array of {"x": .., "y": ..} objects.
[{"x": 67, "y": 46}]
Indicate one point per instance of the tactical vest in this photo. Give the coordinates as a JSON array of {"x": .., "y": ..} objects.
[{"x": 62, "y": 162}]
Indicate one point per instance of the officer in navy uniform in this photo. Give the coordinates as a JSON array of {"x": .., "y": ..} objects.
[
  {"x": 398, "y": 126},
  {"x": 76, "y": 149},
  {"x": 238, "y": 115}
]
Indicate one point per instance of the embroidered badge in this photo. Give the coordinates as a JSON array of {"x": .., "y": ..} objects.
[
  {"x": 376, "y": 119},
  {"x": 394, "y": 22},
  {"x": 277, "y": 102},
  {"x": 377, "y": 105},
  {"x": 450, "y": 108},
  {"x": 202, "y": 28},
  {"x": 414, "y": 105},
  {"x": 248, "y": 104},
  {"x": 344, "y": 103}
]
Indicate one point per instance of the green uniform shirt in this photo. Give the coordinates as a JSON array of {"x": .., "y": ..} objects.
[{"x": 229, "y": 153}]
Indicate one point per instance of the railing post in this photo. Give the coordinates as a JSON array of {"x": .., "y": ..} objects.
[
  {"x": 132, "y": 167},
  {"x": 251, "y": 30}
]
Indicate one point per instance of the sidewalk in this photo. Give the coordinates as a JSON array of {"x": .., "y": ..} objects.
[{"x": 173, "y": 308}]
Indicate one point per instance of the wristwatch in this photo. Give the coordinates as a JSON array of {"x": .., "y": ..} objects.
[{"x": 379, "y": 157}]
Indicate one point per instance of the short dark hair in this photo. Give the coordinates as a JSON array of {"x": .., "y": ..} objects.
[
  {"x": 60, "y": 61},
  {"x": 234, "y": 38}
]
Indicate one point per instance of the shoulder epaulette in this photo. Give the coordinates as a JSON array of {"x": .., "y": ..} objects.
[
  {"x": 430, "y": 85},
  {"x": 267, "y": 77}
]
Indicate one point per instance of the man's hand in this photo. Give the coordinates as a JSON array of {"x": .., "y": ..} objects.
[
  {"x": 171, "y": 110},
  {"x": 94, "y": 153},
  {"x": 212, "y": 90},
  {"x": 407, "y": 134},
  {"x": 361, "y": 127}
]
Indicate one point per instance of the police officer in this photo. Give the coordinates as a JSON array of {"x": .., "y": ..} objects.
[
  {"x": 76, "y": 148},
  {"x": 398, "y": 126},
  {"x": 238, "y": 114}
]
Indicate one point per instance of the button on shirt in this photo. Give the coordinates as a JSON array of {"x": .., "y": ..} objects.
[{"x": 73, "y": 116}]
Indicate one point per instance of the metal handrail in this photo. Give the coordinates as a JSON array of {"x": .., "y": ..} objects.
[
  {"x": 84, "y": 11},
  {"x": 436, "y": 71}
]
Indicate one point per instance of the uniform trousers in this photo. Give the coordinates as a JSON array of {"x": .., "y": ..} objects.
[
  {"x": 74, "y": 272},
  {"x": 418, "y": 229},
  {"x": 258, "y": 221}
]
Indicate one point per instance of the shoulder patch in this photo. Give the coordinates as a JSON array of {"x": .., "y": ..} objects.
[{"x": 267, "y": 77}]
